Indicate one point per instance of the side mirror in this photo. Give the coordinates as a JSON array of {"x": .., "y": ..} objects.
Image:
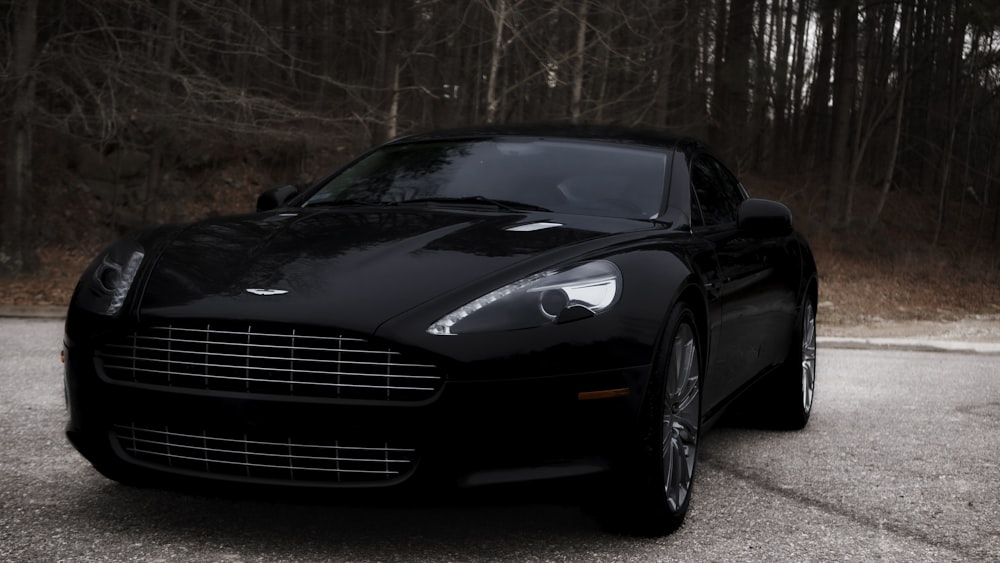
[
  {"x": 276, "y": 197},
  {"x": 764, "y": 217}
]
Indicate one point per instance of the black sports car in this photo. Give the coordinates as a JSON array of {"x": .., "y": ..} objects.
[{"x": 467, "y": 307}]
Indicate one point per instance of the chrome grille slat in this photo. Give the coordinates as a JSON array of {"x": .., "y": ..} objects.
[
  {"x": 331, "y": 372},
  {"x": 266, "y": 359},
  {"x": 267, "y": 466},
  {"x": 251, "y": 345},
  {"x": 259, "y": 380},
  {"x": 202, "y": 436},
  {"x": 151, "y": 349},
  {"x": 206, "y": 450},
  {"x": 243, "y": 333},
  {"x": 216, "y": 453}
]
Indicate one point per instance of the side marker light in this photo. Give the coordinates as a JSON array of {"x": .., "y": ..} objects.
[{"x": 605, "y": 394}]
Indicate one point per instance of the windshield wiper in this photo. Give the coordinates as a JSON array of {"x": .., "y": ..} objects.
[
  {"x": 504, "y": 204},
  {"x": 345, "y": 202}
]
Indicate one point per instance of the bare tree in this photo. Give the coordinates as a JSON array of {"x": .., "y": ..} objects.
[
  {"x": 843, "y": 110},
  {"x": 902, "y": 74},
  {"x": 731, "y": 101},
  {"x": 578, "y": 68},
  {"x": 500, "y": 15},
  {"x": 16, "y": 252},
  {"x": 889, "y": 94}
]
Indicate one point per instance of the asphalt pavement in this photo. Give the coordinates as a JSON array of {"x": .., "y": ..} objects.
[{"x": 900, "y": 462}]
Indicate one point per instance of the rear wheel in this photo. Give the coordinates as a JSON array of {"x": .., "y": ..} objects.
[
  {"x": 658, "y": 484},
  {"x": 795, "y": 383}
]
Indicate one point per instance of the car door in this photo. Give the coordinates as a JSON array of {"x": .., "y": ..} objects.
[
  {"x": 767, "y": 272},
  {"x": 745, "y": 275}
]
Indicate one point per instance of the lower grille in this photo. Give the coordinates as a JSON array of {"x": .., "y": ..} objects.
[
  {"x": 274, "y": 360},
  {"x": 264, "y": 458}
]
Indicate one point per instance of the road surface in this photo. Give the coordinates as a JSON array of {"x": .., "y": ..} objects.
[{"x": 900, "y": 462}]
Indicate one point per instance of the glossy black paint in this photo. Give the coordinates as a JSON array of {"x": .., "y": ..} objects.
[
  {"x": 764, "y": 218},
  {"x": 510, "y": 406}
]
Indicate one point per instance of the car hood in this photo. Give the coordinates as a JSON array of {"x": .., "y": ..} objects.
[{"x": 349, "y": 268}]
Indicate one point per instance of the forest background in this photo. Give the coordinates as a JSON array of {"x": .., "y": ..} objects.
[{"x": 878, "y": 122}]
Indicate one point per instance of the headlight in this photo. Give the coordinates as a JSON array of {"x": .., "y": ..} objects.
[
  {"x": 554, "y": 296},
  {"x": 110, "y": 278}
]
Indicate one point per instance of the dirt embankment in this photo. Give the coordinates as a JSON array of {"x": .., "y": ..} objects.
[
  {"x": 885, "y": 283},
  {"x": 856, "y": 298}
]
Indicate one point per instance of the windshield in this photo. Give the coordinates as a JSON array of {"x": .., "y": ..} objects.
[{"x": 589, "y": 178}]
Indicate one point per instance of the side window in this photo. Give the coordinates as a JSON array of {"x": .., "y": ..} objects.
[
  {"x": 715, "y": 197},
  {"x": 730, "y": 187},
  {"x": 696, "y": 219},
  {"x": 702, "y": 184}
]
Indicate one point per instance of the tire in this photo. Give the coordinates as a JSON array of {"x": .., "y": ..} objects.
[
  {"x": 794, "y": 386},
  {"x": 658, "y": 480}
]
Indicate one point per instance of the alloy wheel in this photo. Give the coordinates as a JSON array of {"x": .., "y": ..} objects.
[
  {"x": 808, "y": 356},
  {"x": 681, "y": 417}
]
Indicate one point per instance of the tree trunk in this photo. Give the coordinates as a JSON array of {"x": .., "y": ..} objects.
[
  {"x": 875, "y": 104},
  {"x": 155, "y": 170},
  {"x": 17, "y": 254},
  {"x": 605, "y": 74},
  {"x": 816, "y": 139},
  {"x": 904, "y": 69},
  {"x": 499, "y": 22},
  {"x": 783, "y": 34},
  {"x": 794, "y": 148},
  {"x": 392, "y": 121},
  {"x": 956, "y": 101},
  {"x": 721, "y": 17},
  {"x": 843, "y": 108},
  {"x": 578, "y": 67},
  {"x": 733, "y": 83},
  {"x": 761, "y": 87}
]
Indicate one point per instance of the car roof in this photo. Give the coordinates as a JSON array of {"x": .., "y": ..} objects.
[{"x": 586, "y": 132}]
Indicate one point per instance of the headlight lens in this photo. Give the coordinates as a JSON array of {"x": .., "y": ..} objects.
[
  {"x": 553, "y": 296},
  {"x": 111, "y": 277}
]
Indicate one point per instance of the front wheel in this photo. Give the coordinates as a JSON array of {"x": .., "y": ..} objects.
[{"x": 659, "y": 480}]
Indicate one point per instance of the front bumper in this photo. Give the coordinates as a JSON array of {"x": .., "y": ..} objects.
[{"x": 472, "y": 432}]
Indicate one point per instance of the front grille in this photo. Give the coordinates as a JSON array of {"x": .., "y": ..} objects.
[
  {"x": 264, "y": 458},
  {"x": 276, "y": 360}
]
